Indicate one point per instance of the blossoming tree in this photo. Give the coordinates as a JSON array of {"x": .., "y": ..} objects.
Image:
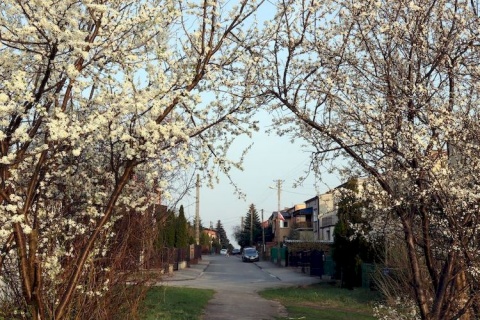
[
  {"x": 92, "y": 95},
  {"x": 393, "y": 87}
]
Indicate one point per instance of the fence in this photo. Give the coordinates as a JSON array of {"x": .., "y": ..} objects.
[
  {"x": 311, "y": 261},
  {"x": 278, "y": 255},
  {"x": 165, "y": 258}
]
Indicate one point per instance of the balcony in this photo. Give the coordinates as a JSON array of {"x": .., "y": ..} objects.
[{"x": 304, "y": 225}]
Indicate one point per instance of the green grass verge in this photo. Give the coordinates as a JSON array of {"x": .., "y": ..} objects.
[
  {"x": 172, "y": 303},
  {"x": 324, "y": 301}
]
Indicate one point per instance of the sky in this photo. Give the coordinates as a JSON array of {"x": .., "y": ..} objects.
[{"x": 271, "y": 158}]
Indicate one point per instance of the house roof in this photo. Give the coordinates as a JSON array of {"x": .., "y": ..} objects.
[
  {"x": 285, "y": 214},
  {"x": 311, "y": 199}
]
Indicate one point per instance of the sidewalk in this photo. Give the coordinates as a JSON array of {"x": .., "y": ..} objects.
[
  {"x": 288, "y": 274},
  {"x": 191, "y": 273}
]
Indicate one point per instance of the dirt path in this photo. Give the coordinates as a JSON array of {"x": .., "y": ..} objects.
[{"x": 232, "y": 305}]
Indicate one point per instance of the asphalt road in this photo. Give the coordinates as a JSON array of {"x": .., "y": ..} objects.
[{"x": 236, "y": 284}]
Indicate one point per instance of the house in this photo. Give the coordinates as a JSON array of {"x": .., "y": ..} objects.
[
  {"x": 297, "y": 222},
  {"x": 280, "y": 225},
  {"x": 211, "y": 233},
  {"x": 301, "y": 225},
  {"x": 315, "y": 219}
]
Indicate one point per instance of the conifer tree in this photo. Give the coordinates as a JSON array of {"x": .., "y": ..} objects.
[
  {"x": 244, "y": 237},
  {"x": 181, "y": 230},
  {"x": 222, "y": 235},
  {"x": 169, "y": 232}
]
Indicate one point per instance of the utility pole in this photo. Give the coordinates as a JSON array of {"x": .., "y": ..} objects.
[
  {"x": 279, "y": 189},
  {"x": 197, "y": 212},
  {"x": 263, "y": 238},
  {"x": 277, "y": 232},
  {"x": 251, "y": 227}
]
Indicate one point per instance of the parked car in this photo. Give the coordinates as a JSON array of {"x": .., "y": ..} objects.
[
  {"x": 223, "y": 251},
  {"x": 250, "y": 254},
  {"x": 236, "y": 251}
]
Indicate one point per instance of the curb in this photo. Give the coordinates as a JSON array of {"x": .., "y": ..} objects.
[
  {"x": 269, "y": 273},
  {"x": 179, "y": 273}
]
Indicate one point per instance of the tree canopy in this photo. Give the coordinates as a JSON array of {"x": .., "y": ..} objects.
[
  {"x": 350, "y": 248},
  {"x": 100, "y": 108},
  {"x": 392, "y": 88},
  {"x": 181, "y": 230}
]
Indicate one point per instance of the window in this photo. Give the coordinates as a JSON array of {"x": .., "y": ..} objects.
[
  {"x": 284, "y": 224},
  {"x": 327, "y": 221}
]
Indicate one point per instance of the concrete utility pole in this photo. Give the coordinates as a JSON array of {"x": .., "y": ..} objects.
[
  {"x": 263, "y": 238},
  {"x": 251, "y": 227},
  {"x": 277, "y": 231},
  {"x": 279, "y": 189},
  {"x": 197, "y": 213}
]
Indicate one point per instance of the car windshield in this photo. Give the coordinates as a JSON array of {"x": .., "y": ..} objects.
[{"x": 250, "y": 251}]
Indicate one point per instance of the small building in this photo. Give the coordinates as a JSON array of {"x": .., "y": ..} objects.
[{"x": 212, "y": 234}]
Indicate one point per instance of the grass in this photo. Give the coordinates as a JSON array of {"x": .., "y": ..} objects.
[
  {"x": 168, "y": 303},
  {"x": 324, "y": 301}
]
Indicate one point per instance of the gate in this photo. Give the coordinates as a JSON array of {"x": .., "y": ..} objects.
[{"x": 316, "y": 263}]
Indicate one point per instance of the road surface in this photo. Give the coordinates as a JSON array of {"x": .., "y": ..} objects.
[{"x": 236, "y": 284}]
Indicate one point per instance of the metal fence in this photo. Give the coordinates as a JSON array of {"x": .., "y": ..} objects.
[{"x": 311, "y": 261}]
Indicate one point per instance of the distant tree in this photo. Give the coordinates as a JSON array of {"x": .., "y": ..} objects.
[
  {"x": 159, "y": 241},
  {"x": 191, "y": 230},
  {"x": 216, "y": 245},
  {"x": 349, "y": 249},
  {"x": 201, "y": 227},
  {"x": 252, "y": 232},
  {"x": 166, "y": 230},
  {"x": 181, "y": 230},
  {"x": 204, "y": 239},
  {"x": 224, "y": 242},
  {"x": 241, "y": 236},
  {"x": 269, "y": 233}
]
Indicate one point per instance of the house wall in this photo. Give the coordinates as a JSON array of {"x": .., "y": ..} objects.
[
  {"x": 327, "y": 212},
  {"x": 313, "y": 203},
  {"x": 327, "y": 217},
  {"x": 327, "y": 227},
  {"x": 306, "y": 235},
  {"x": 281, "y": 231}
]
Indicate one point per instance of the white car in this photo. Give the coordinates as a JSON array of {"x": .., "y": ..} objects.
[{"x": 223, "y": 251}]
